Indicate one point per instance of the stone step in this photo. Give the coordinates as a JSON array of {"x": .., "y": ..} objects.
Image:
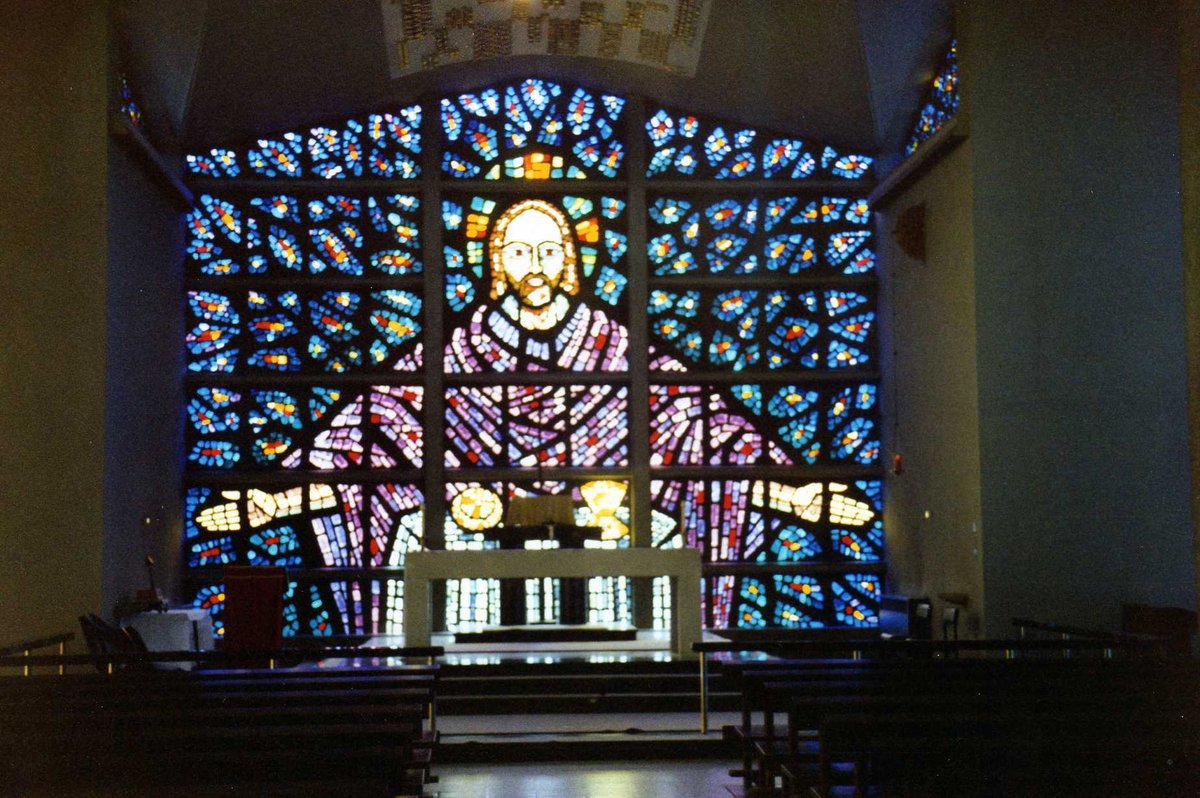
[
  {"x": 500, "y": 704},
  {"x": 566, "y": 684}
]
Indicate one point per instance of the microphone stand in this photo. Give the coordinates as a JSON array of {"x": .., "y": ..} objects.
[{"x": 159, "y": 604}]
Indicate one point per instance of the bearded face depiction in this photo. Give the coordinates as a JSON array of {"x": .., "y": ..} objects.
[{"x": 533, "y": 264}]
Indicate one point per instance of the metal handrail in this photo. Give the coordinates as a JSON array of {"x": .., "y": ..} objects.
[
  {"x": 1024, "y": 624},
  {"x": 36, "y": 643},
  {"x": 26, "y": 647}
]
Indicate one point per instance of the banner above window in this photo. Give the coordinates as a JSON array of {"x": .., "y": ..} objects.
[{"x": 425, "y": 34}]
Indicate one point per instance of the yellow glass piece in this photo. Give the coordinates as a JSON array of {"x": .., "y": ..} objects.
[
  {"x": 477, "y": 508},
  {"x": 263, "y": 508},
  {"x": 535, "y": 166},
  {"x": 321, "y": 497},
  {"x": 476, "y": 225},
  {"x": 474, "y": 252},
  {"x": 588, "y": 231},
  {"x": 604, "y": 498},
  {"x": 844, "y": 510},
  {"x": 805, "y": 501},
  {"x": 221, "y": 518}
]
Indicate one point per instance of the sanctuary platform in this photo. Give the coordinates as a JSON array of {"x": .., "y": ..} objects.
[{"x": 571, "y": 699}]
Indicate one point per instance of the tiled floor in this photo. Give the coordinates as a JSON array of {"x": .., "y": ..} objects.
[{"x": 654, "y": 779}]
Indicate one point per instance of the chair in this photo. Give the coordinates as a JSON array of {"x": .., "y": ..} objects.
[
  {"x": 950, "y": 624},
  {"x": 253, "y": 609},
  {"x": 113, "y": 645},
  {"x": 921, "y": 626}
]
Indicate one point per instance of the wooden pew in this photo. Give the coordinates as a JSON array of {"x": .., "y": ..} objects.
[
  {"x": 366, "y": 730},
  {"x": 1015, "y": 750},
  {"x": 907, "y": 741},
  {"x": 768, "y": 686}
]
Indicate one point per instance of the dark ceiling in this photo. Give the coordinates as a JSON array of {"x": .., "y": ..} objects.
[{"x": 848, "y": 72}]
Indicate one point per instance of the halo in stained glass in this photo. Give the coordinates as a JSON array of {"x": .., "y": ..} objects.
[{"x": 477, "y": 508}]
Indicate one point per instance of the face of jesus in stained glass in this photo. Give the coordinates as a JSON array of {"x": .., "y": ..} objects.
[{"x": 533, "y": 264}]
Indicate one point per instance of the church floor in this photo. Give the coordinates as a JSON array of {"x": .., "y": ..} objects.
[{"x": 650, "y": 779}]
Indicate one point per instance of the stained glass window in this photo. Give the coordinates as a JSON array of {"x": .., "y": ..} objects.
[
  {"x": 322, "y": 237},
  {"x": 537, "y": 426},
  {"x": 326, "y": 428},
  {"x": 532, "y": 130},
  {"x": 778, "y": 236},
  {"x": 941, "y": 100},
  {"x": 765, "y": 328},
  {"x": 763, "y": 424},
  {"x": 771, "y": 523},
  {"x": 303, "y": 330},
  {"x": 129, "y": 106},
  {"x": 682, "y": 145},
  {"x": 385, "y": 145},
  {"x": 583, "y": 326},
  {"x": 477, "y": 510},
  {"x": 310, "y": 527},
  {"x": 327, "y": 332}
]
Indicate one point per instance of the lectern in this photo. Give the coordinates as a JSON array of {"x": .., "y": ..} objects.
[{"x": 542, "y": 518}]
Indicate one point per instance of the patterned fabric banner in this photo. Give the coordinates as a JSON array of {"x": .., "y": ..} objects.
[{"x": 425, "y": 34}]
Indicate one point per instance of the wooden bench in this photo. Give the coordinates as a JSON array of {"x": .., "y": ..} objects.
[
  {"x": 1051, "y": 750},
  {"x": 162, "y": 732},
  {"x": 809, "y": 691},
  {"x": 910, "y": 738}
]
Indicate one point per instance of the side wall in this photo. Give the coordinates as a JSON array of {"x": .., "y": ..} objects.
[
  {"x": 143, "y": 457},
  {"x": 52, "y": 276},
  {"x": 931, "y": 401},
  {"x": 1189, "y": 124},
  {"x": 1079, "y": 288}
]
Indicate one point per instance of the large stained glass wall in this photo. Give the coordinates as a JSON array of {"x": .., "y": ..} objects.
[{"x": 401, "y": 324}]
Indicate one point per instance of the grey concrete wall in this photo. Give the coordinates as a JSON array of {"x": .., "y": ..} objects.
[
  {"x": 144, "y": 441},
  {"x": 52, "y": 278},
  {"x": 1189, "y": 124},
  {"x": 1077, "y": 224},
  {"x": 930, "y": 400}
]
